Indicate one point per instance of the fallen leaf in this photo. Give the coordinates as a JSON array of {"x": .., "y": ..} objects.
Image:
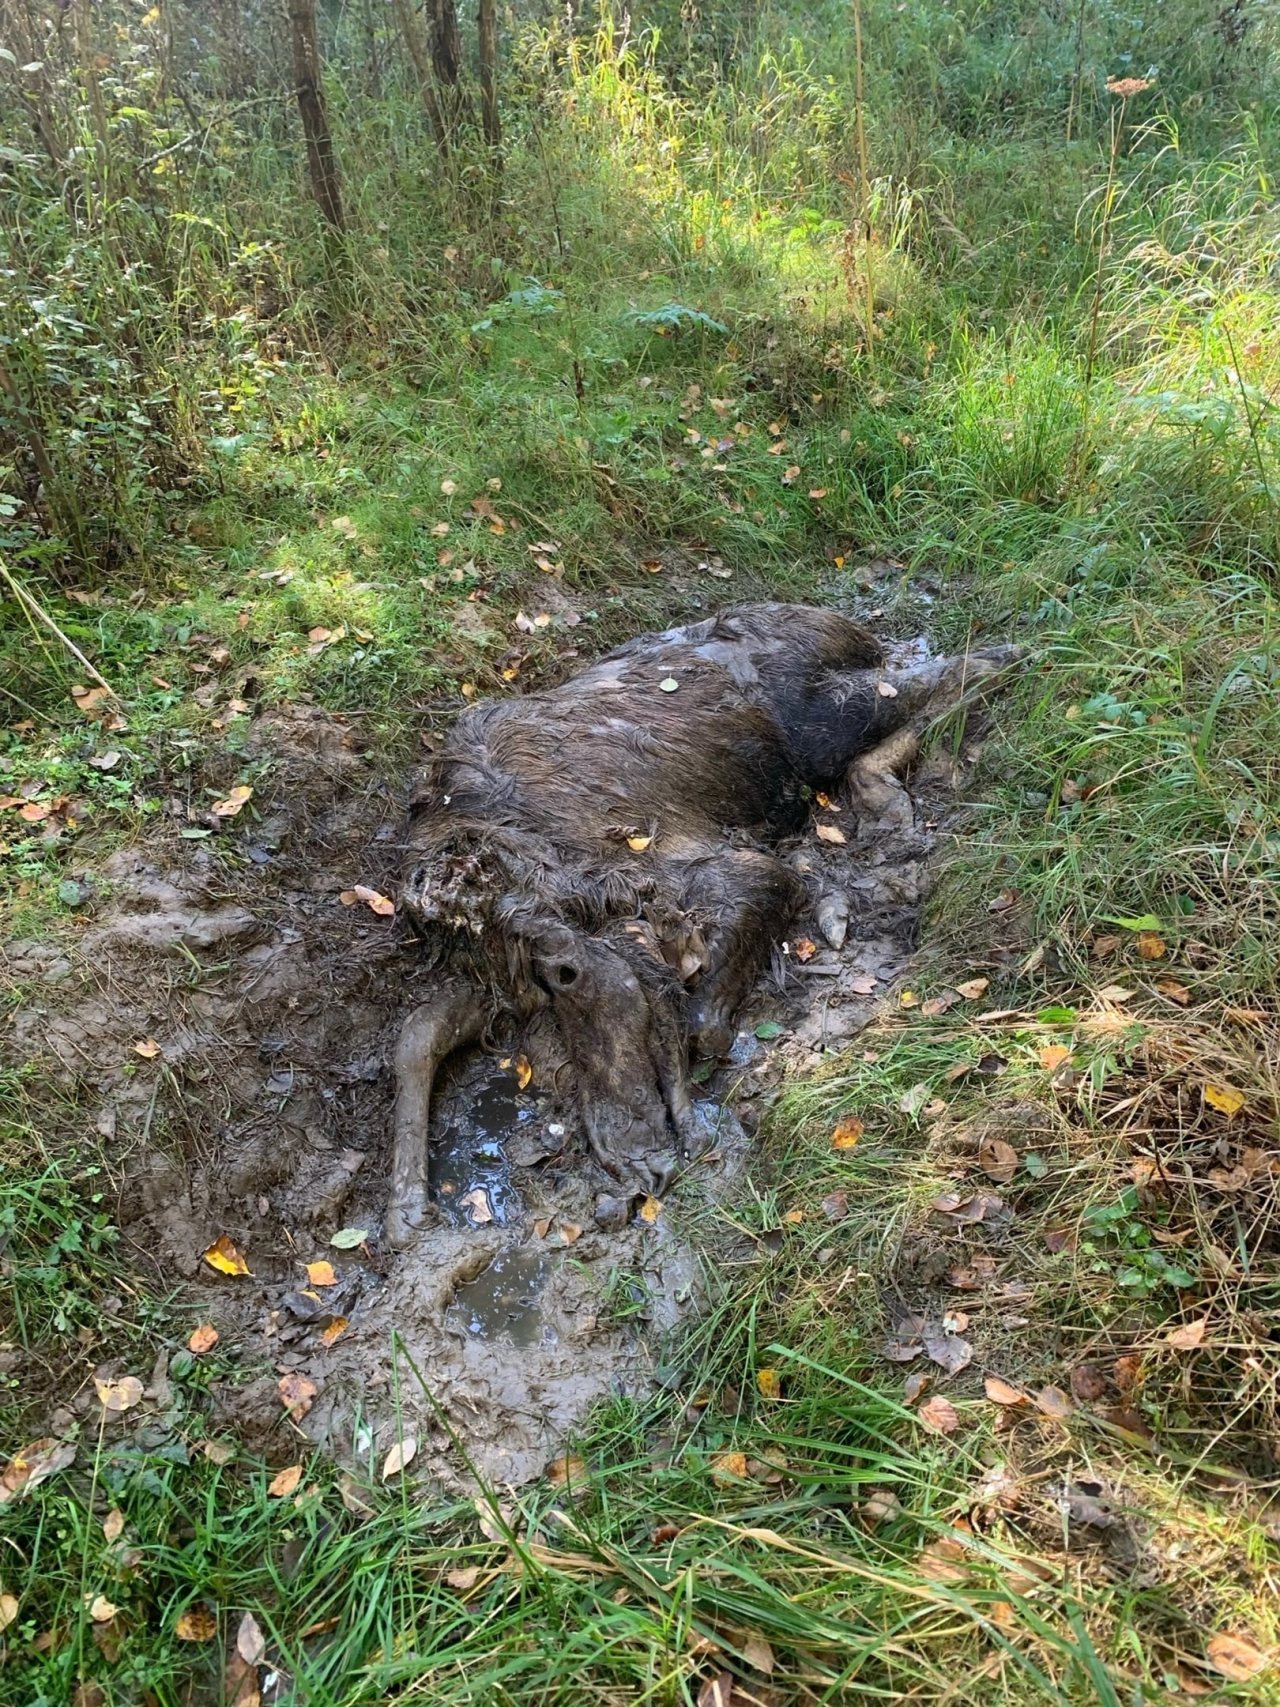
[
  {"x": 375, "y": 902},
  {"x": 251, "y": 1644},
  {"x": 638, "y": 844},
  {"x": 793, "y": 1218},
  {"x": 297, "y": 1392},
  {"x": 337, "y": 1327},
  {"x": 122, "y": 1395},
  {"x": 817, "y": 492},
  {"x": 650, "y": 1210},
  {"x": 944, "y": 1560},
  {"x": 1175, "y": 991},
  {"x": 1087, "y": 1382},
  {"x": 203, "y": 1339},
  {"x": 1225, "y": 1098},
  {"x": 908, "y": 999},
  {"x": 8, "y": 1610},
  {"x": 886, "y": 690},
  {"x": 1001, "y": 1393},
  {"x": 285, "y": 1482},
  {"x": 113, "y": 1524},
  {"x": 948, "y": 1351},
  {"x": 1151, "y": 946},
  {"x": 727, "y": 1467},
  {"x": 148, "y": 1048},
  {"x": 791, "y": 474},
  {"x": 937, "y": 1005},
  {"x": 1235, "y": 1657},
  {"x": 973, "y": 988},
  {"x": 1053, "y": 1402},
  {"x": 321, "y": 1274},
  {"x": 196, "y": 1624},
  {"x": 224, "y": 1255},
  {"x": 348, "y": 1238},
  {"x": 464, "y": 1578},
  {"x": 1189, "y": 1335},
  {"x": 847, "y": 1133},
  {"x": 998, "y": 1160},
  {"x": 234, "y": 803},
  {"x": 218, "y": 1452},
  {"x": 757, "y": 1653},
  {"x": 939, "y": 1415},
  {"x": 830, "y": 833},
  {"x": 524, "y": 1072},
  {"x": 100, "y": 1609},
  {"x": 1115, "y": 993},
  {"x": 562, "y": 1471},
  {"x": 804, "y": 949},
  {"x": 668, "y": 684},
  {"x": 835, "y": 1206},
  {"x": 915, "y": 1384},
  {"x": 400, "y": 1456},
  {"x": 1053, "y": 1056},
  {"x": 568, "y": 1232},
  {"x": 769, "y": 1383},
  {"x": 449, "y": 487},
  {"x": 477, "y": 1201}
]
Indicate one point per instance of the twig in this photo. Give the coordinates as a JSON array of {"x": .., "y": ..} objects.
[{"x": 34, "y": 608}]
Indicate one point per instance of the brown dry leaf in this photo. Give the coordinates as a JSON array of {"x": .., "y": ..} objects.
[
  {"x": 337, "y": 1327},
  {"x": 297, "y": 1392},
  {"x": 348, "y": 897},
  {"x": 949, "y": 1351},
  {"x": 939, "y": 1415},
  {"x": 477, "y": 1202},
  {"x": 89, "y": 699},
  {"x": 1053, "y": 1056},
  {"x": 464, "y": 1578},
  {"x": 1088, "y": 1382},
  {"x": 728, "y": 1467},
  {"x": 805, "y": 948},
  {"x": 793, "y": 1218},
  {"x": 1235, "y": 1656},
  {"x": 835, "y": 1206},
  {"x": 113, "y": 1524},
  {"x": 375, "y": 902},
  {"x": 1001, "y": 1393},
  {"x": 769, "y": 1383},
  {"x": 234, "y": 803},
  {"x": 224, "y": 1255},
  {"x": 1053, "y": 1402},
  {"x": 973, "y": 988},
  {"x": 829, "y": 833},
  {"x": 826, "y": 802},
  {"x": 1189, "y": 1335},
  {"x": 117, "y": 1396},
  {"x": 8, "y": 1610},
  {"x": 562, "y": 1471},
  {"x": 944, "y": 1560},
  {"x": 1175, "y": 991},
  {"x": 847, "y": 1133},
  {"x": 251, "y": 1644},
  {"x": 400, "y": 1455},
  {"x": 1115, "y": 993},
  {"x": 285, "y": 1482},
  {"x": 1225, "y": 1098},
  {"x": 203, "y": 1339},
  {"x": 542, "y": 1226},
  {"x": 569, "y": 1231},
  {"x": 524, "y": 1072},
  {"x": 650, "y": 1210},
  {"x": 937, "y": 1005},
  {"x": 147, "y": 1047},
  {"x": 998, "y": 1160},
  {"x": 757, "y": 1653},
  {"x": 1151, "y": 946},
  {"x": 196, "y": 1624},
  {"x": 100, "y": 1609},
  {"x": 915, "y": 1384},
  {"x": 321, "y": 1274}
]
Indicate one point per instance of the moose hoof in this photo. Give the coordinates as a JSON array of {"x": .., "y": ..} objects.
[{"x": 407, "y": 1214}]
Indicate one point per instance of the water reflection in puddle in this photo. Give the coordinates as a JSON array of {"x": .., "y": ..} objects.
[
  {"x": 479, "y": 1110},
  {"x": 504, "y": 1300}
]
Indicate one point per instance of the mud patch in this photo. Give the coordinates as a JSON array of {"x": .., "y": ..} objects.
[{"x": 266, "y": 1114}]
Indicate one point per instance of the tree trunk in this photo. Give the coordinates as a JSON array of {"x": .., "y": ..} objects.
[
  {"x": 446, "y": 56},
  {"x": 322, "y": 164},
  {"x": 417, "y": 51},
  {"x": 487, "y": 32}
]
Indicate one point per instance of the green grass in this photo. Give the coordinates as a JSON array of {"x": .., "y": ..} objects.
[{"x": 256, "y": 434}]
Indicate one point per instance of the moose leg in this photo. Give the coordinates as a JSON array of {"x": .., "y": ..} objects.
[
  {"x": 745, "y": 899},
  {"x": 455, "y": 1016}
]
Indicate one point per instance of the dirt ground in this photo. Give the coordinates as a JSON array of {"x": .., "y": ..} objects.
[{"x": 263, "y": 1117}]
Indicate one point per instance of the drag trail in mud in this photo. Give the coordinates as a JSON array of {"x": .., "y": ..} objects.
[{"x": 266, "y": 1118}]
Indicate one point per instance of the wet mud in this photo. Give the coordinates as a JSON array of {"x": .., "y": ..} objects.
[{"x": 265, "y": 1116}]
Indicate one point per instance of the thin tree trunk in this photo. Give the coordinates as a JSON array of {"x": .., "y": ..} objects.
[
  {"x": 417, "y": 51},
  {"x": 322, "y": 164},
  {"x": 446, "y": 56},
  {"x": 487, "y": 32}
]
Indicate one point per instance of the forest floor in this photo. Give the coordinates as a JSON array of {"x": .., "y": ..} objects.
[{"x": 959, "y": 1385}]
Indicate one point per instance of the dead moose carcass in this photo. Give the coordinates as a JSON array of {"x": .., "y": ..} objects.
[{"x": 604, "y": 847}]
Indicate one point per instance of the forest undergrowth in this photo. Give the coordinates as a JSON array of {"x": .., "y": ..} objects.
[{"x": 747, "y": 302}]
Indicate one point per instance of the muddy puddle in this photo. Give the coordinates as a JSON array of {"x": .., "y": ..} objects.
[{"x": 265, "y": 1117}]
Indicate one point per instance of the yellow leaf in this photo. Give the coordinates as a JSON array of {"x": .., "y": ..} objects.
[
  {"x": 197, "y": 1623},
  {"x": 728, "y": 1467},
  {"x": 285, "y": 1482},
  {"x": 8, "y": 1610},
  {"x": 908, "y": 999},
  {"x": 1189, "y": 1336},
  {"x": 375, "y": 902},
  {"x": 225, "y": 1256},
  {"x": 566, "y": 1470},
  {"x": 1224, "y": 1098},
  {"x": 826, "y": 802},
  {"x": 650, "y": 1210},
  {"x": 321, "y": 1274},
  {"x": 847, "y": 1133},
  {"x": 233, "y": 804},
  {"x": 337, "y": 1327},
  {"x": 100, "y": 1609},
  {"x": 524, "y": 1072},
  {"x": 120, "y": 1395},
  {"x": 638, "y": 844},
  {"x": 1151, "y": 946},
  {"x": 829, "y": 833},
  {"x": 1053, "y": 1056},
  {"x": 769, "y": 1383},
  {"x": 204, "y": 1338},
  {"x": 793, "y": 1217}
]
